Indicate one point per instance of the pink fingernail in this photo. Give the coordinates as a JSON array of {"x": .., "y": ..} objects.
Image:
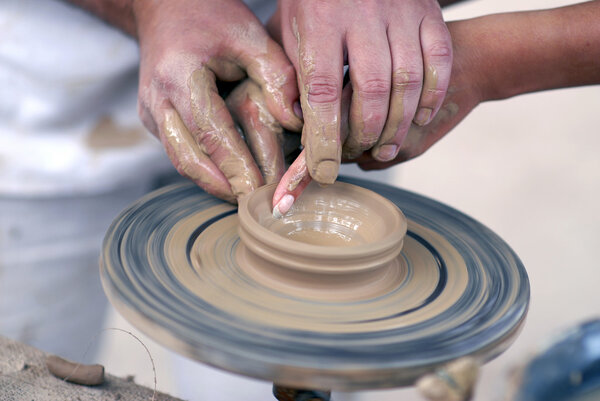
[
  {"x": 298, "y": 110},
  {"x": 283, "y": 206}
]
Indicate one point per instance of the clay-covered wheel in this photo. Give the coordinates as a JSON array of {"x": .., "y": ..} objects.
[{"x": 173, "y": 265}]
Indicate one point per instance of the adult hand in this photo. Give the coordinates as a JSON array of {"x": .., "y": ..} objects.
[
  {"x": 185, "y": 47},
  {"x": 466, "y": 90},
  {"x": 399, "y": 55},
  {"x": 264, "y": 134},
  {"x": 468, "y": 87}
]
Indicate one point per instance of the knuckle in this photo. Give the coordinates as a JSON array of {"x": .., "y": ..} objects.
[
  {"x": 323, "y": 89},
  {"x": 209, "y": 141},
  {"x": 406, "y": 81},
  {"x": 441, "y": 50},
  {"x": 373, "y": 88},
  {"x": 437, "y": 93}
]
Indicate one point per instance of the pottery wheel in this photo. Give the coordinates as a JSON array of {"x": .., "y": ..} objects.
[{"x": 174, "y": 266}]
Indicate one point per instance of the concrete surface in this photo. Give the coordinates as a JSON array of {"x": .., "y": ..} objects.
[{"x": 528, "y": 168}]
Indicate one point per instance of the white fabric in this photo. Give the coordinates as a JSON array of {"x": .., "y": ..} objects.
[{"x": 62, "y": 71}]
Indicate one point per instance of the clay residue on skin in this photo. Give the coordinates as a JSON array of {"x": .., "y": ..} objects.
[
  {"x": 108, "y": 135},
  {"x": 396, "y": 111},
  {"x": 215, "y": 137},
  {"x": 186, "y": 153},
  {"x": 265, "y": 136},
  {"x": 297, "y": 178},
  {"x": 429, "y": 88},
  {"x": 354, "y": 144},
  {"x": 320, "y": 135}
]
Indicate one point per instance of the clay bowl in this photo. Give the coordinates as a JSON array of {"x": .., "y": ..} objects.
[{"x": 341, "y": 228}]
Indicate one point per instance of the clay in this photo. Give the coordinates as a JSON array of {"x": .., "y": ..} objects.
[
  {"x": 423, "y": 115},
  {"x": 338, "y": 229},
  {"x": 88, "y": 375}
]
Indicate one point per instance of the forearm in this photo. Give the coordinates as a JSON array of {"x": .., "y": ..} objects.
[
  {"x": 538, "y": 50},
  {"x": 119, "y": 13}
]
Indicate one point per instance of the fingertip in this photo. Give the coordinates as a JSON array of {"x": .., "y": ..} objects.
[
  {"x": 326, "y": 172},
  {"x": 385, "y": 153}
]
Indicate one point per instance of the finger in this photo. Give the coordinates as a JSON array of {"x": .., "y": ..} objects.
[
  {"x": 270, "y": 68},
  {"x": 407, "y": 78},
  {"x": 263, "y": 133},
  {"x": 188, "y": 158},
  {"x": 437, "y": 59},
  {"x": 297, "y": 178},
  {"x": 212, "y": 127},
  {"x": 291, "y": 186},
  {"x": 320, "y": 81},
  {"x": 371, "y": 75}
]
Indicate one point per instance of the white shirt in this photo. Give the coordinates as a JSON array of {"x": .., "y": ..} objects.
[{"x": 68, "y": 95}]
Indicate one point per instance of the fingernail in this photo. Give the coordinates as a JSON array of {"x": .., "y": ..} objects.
[
  {"x": 298, "y": 110},
  {"x": 283, "y": 206},
  {"x": 422, "y": 116},
  {"x": 326, "y": 172},
  {"x": 386, "y": 152}
]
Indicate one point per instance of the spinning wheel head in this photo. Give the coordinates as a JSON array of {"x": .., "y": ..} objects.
[{"x": 174, "y": 265}]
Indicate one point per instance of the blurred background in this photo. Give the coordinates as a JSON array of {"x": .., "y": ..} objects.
[{"x": 529, "y": 169}]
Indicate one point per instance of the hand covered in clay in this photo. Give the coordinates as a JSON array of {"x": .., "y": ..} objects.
[
  {"x": 264, "y": 134},
  {"x": 185, "y": 47},
  {"x": 463, "y": 95},
  {"x": 465, "y": 92},
  {"x": 399, "y": 55}
]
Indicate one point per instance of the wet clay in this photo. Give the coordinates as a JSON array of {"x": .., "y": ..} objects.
[
  {"x": 336, "y": 229},
  {"x": 88, "y": 375},
  {"x": 343, "y": 238},
  {"x": 322, "y": 283}
]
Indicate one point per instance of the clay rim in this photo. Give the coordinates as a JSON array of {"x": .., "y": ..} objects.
[{"x": 249, "y": 224}]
